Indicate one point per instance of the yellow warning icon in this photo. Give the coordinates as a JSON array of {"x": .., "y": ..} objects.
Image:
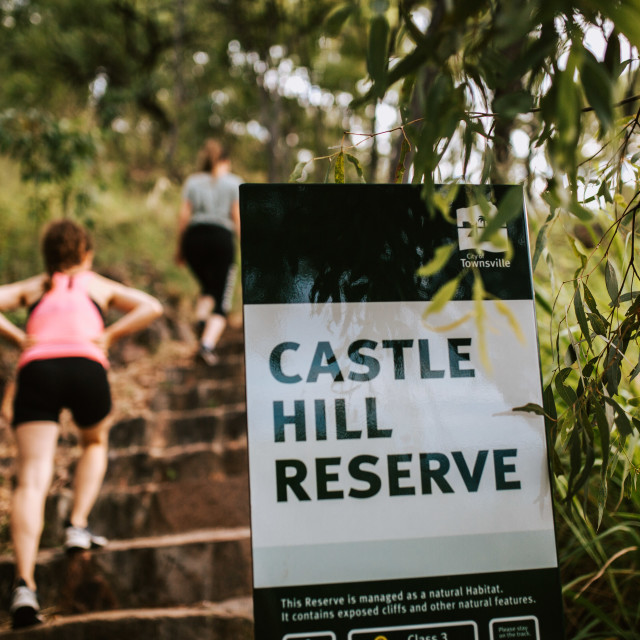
[{"x": 381, "y": 638}]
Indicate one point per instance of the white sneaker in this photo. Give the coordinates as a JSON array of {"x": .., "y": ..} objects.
[
  {"x": 82, "y": 538},
  {"x": 208, "y": 356},
  {"x": 24, "y": 607}
]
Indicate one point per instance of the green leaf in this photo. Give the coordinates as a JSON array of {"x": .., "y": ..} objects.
[
  {"x": 589, "y": 299},
  {"x": 406, "y": 96},
  {"x": 580, "y": 212},
  {"x": 570, "y": 356},
  {"x": 541, "y": 240},
  {"x": 628, "y": 297},
  {"x": 400, "y": 169},
  {"x": 565, "y": 391},
  {"x": 337, "y": 17},
  {"x": 598, "y": 324},
  {"x": 510, "y": 105},
  {"x": 604, "y": 192},
  {"x": 339, "y": 168},
  {"x": 567, "y": 109},
  {"x": 579, "y": 476},
  {"x": 598, "y": 89},
  {"x": 438, "y": 262},
  {"x": 356, "y": 163},
  {"x": 626, "y": 17},
  {"x": 612, "y": 54},
  {"x": 603, "y": 428},
  {"x": 510, "y": 206},
  {"x": 298, "y": 170},
  {"x": 621, "y": 419},
  {"x": 487, "y": 165},
  {"x": 611, "y": 281},
  {"x": 531, "y": 407},
  {"x": 551, "y": 417},
  {"x": 378, "y": 51},
  {"x": 543, "y": 303},
  {"x": 602, "y": 498},
  {"x": 581, "y": 316},
  {"x": 444, "y": 294},
  {"x": 613, "y": 360}
]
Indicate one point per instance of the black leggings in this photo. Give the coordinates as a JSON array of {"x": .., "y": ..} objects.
[
  {"x": 45, "y": 387},
  {"x": 210, "y": 253}
]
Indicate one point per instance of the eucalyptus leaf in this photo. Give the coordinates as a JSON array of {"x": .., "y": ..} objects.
[
  {"x": 444, "y": 294},
  {"x": 509, "y": 207},
  {"x": 589, "y": 299},
  {"x": 581, "y": 316},
  {"x": 621, "y": 419},
  {"x": 598, "y": 89},
  {"x": 298, "y": 171},
  {"x": 438, "y": 262},
  {"x": 567, "y": 393},
  {"x": 611, "y": 282},
  {"x": 377, "y": 55},
  {"x": 358, "y": 167},
  {"x": 597, "y": 323},
  {"x": 551, "y": 415},
  {"x": 339, "y": 168},
  {"x": 531, "y": 407},
  {"x": 603, "y": 429},
  {"x": 336, "y": 18}
]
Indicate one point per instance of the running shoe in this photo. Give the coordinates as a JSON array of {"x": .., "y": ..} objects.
[
  {"x": 208, "y": 356},
  {"x": 82, "y": 538},
  {"x": 25, "y": 608}
]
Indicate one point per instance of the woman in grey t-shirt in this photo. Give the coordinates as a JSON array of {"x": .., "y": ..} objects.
[{"x": 209, "y": 217}]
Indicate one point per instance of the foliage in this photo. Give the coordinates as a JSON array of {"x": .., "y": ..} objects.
[
  {"x": 600, "y": 565},
  {"x": 158, "y": 76},
  {"x": 468, "y": 77},
  {"x": 49, "y": 152},
  {"x": 473, "y": 74}
]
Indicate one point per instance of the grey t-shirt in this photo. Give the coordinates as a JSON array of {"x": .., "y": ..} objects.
[{"x": 211, "y": 198}]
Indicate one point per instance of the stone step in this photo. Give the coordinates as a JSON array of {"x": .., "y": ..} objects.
[
  {"x": 157, "y": 508},
  {"x": 230, "y": 367},
  {"x": 171, "y": 428},
  {"x": 229, "y": 620},
  {"x": 140, "y": 464},
  {"x": 199, "y": 394},
  {"x": 188, "y": 462},
  {"x": 163, "y": 571},
  {"x": 222, "y": 424}
]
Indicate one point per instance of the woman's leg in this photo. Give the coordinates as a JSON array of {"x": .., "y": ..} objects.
[
  {"x": 36, "y": 442},
  {"x": 210, "y": 252},
  {"x": 213, "y": 329},
  {"x": 90, "y": 471},
  {"x": 204, "y": 307}
]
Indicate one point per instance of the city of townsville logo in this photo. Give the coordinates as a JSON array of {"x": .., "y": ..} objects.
[{"x": 471, "y": 221}]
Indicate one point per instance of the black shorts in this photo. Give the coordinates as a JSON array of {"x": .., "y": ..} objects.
[
  {"x": 45, "y": 387},
  {"x": 209, "y": 250}
]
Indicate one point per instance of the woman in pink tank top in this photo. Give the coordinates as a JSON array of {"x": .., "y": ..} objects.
[{"x": 63, "y": 364}]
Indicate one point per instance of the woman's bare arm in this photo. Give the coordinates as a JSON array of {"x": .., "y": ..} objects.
[
  {"x": 140, "y": 308},
  {"x": 16, "y": 295},
  {"x": 235, "y": 216}
]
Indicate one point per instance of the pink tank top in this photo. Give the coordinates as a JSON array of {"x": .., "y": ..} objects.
[{"x": 65, "y": 322}]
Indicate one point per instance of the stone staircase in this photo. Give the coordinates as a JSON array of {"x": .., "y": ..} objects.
[{"x": 175, "y": 507}]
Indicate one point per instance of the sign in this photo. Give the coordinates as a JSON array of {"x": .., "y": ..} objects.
[{"x": 395, "y": 494}]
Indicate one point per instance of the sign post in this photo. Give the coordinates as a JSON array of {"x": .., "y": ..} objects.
[{"x": 395, "y": 493}]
